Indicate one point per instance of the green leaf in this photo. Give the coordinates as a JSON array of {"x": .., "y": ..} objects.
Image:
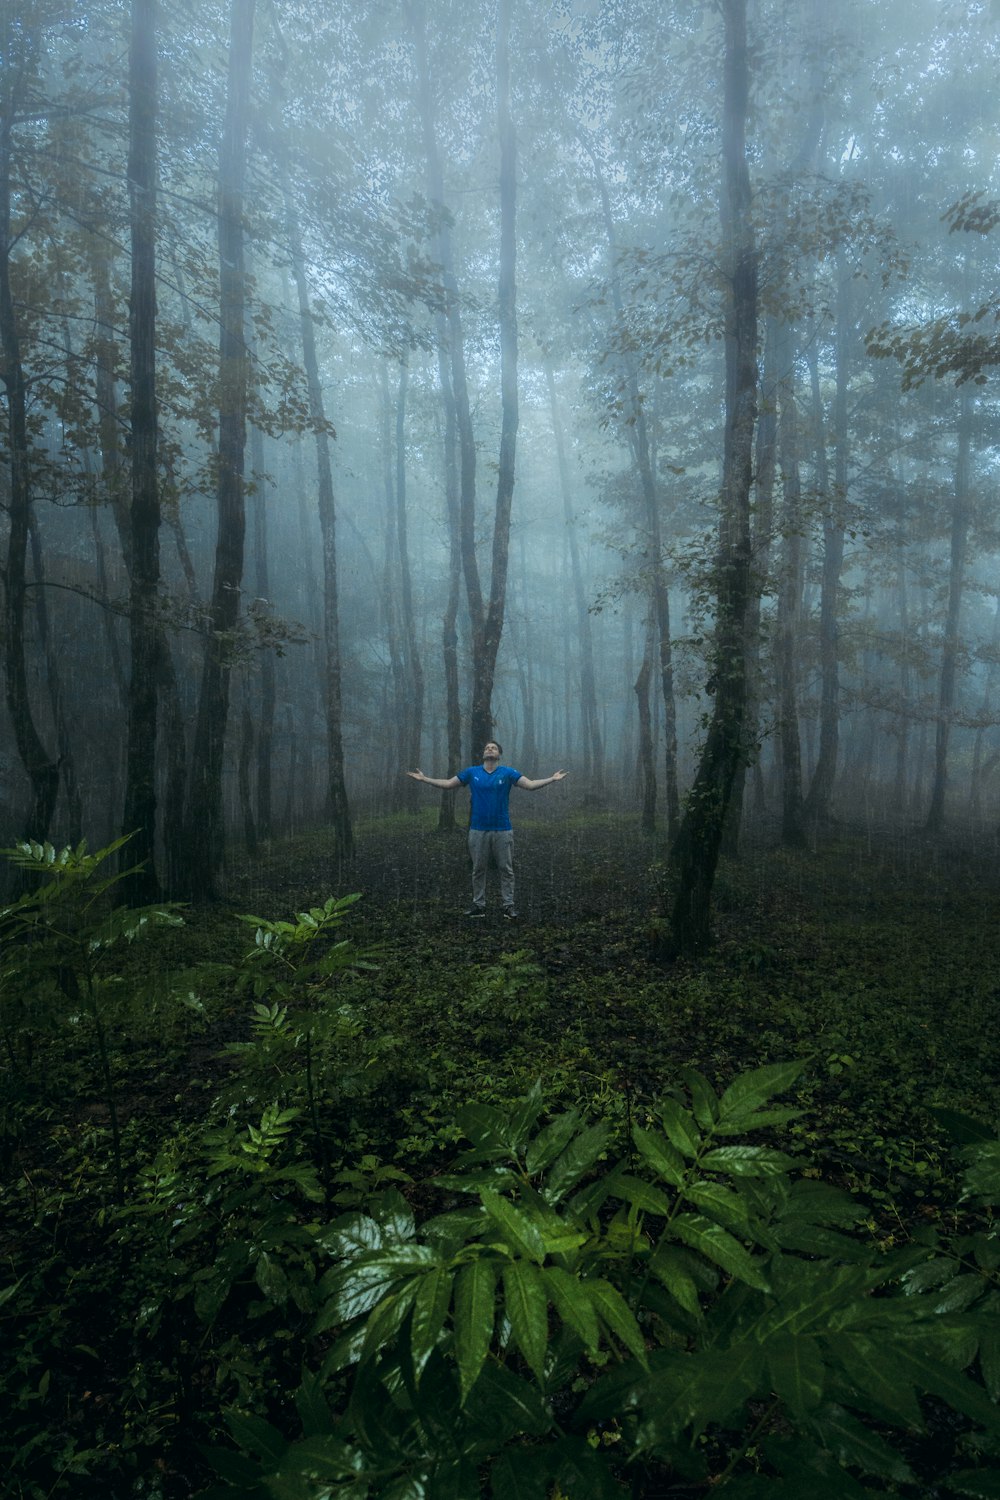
[
  {"x": 722, "y": 1204},
  {"x": 576, "y": 1160},
  {"x": 796, "y": 1369},
  {"x": 719, "y": 1246},
  {"x": 571, "y": 1301},
  {"x": 524, "y": 1115},
  {"x": 874, "y": 1383},
  {"x": 981, "y": 1484},
  {"x": 430, "y": 1308},
  {"x": 703, "y": 1097},
  {"x": 503, "y": 1405},
  {"x": 964, "y": 1130},
  {"x": 857, "y": 1446},
  {"x": 475, "y": 1295},
  {"x": 523, "y": 1236},
  {"x": 740, "y": 1105},
  {"x": 669, "y": 1268},
  {"x": 256, "y": 1436},
  {"x": 388, "y": 1318},
  {"x": 680, "y": 1127},
  {"x": 655, "y": 1149},
  {"x": 930, "y": 1374},
  {"x": 643, "y": 1195},
  {"x": 748, "y": 1161},
  {"x": 526, "y": 1306},
  {"x": 546, "y": 1146},
  {"x": 521, "y": 1474},
  {"x": 312, "y": 1406},
  {"x": 616, "y": 1315}
]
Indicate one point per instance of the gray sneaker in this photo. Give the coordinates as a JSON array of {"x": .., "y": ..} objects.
[
  {"x": 510, "y": 914},
  {"x": 475, "y": 911}
]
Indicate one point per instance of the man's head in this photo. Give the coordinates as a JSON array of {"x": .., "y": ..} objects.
[{"x": 492, "y": 750}]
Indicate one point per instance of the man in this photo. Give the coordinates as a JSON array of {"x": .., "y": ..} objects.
[{"x": 490, "y": 833}]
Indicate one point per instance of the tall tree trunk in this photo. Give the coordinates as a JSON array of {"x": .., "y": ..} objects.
[
  {"x": 817, "y": 807},
  {"x": 952, "y": 638},
  {"x": 264, "y": 735},
  {"x": 414, "y": 725},
  {"x": 459, "y": 491},
  {"x": 789, "y": 600},
  {"x": 145, "y": 636},
  {"x": 53, "y": 683},
  {"x": 337, "y": 809},
  {"x": 589, "y": 717},
  {"x": 696, "y": 849},
  {"x": 397, "y": 709},
  {"x": 41, "y": 768},
  {"x": 641, "y": 452},
  {"x": 647, "y": 760},
  {"x": 488, "y": 630},
  {"x": 205, "y": 830}
]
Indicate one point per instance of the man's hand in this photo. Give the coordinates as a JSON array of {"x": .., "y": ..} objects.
[
  {"x": 417, "y": 775},
  {"x": 559, "y": 775}
]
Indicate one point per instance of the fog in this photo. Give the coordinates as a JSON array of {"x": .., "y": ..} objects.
[{"x": 428, "y": 430}]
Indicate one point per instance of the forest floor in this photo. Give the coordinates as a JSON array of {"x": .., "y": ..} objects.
[
  {"x": 873, "y": 956},
  {"x": 876, "y": 953}
]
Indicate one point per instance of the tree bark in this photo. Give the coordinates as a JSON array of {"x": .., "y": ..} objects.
[
  {"x": 696, "y": 849},
  {"x": 951, "y": 644},
  {"x": 145, "y": 637},
  {"x": 413, "y": 727},
  {"x": 789, "y": 599},
  {"x": 488, "y": 626},
  {"x": 337, "y": 808},
  {"x": 41, "y": 768}
]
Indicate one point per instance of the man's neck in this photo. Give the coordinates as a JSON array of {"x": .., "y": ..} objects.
[{"x": 490, "y": 763}]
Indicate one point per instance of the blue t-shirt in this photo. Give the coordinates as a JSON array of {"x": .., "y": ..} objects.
[{"x": 490, "y": 791}]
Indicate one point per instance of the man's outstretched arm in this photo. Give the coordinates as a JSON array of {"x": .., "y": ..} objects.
[
  {"x": 534, "y": 786},
  {"x": 439, "y": 781}
]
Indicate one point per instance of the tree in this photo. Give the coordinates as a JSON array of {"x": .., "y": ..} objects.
[
  {"x": 205, "y": 823},
  {"x": 695, "y": 851}
]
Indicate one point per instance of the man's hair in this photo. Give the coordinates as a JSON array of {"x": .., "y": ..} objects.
[{"x": 494, "y": 742}]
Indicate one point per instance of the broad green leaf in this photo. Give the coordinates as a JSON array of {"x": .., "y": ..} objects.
[
  {"x": 680, "y": 1127},
  {"x": 256, "y": 1436},
  {"x": 388, "y": 1318},
  {"x": 576, "y": 1160},
  {"x": 749, "y": 1091},
  {"x": 719, "y": 1246},
  {"x": 523, "y": 1236},
  {"x": 394, "y": 1214},
  {"x": 475, "y": 1295},
  {"x": 932, "y": 1375},
  {"x": 430, "y": 1308},
  {"x": 525, "y": 1304},
  {"x": 668, "y": 1266},
  {"x": 312, "y": 1407},
  {"x": 855, "y": 1445},
  {"x": 655, "y": 1149},
  {"x": 502, "y": 1405},
  {"x": 981, "y": 1179},
  {"x": 704, "y": 1100},
  {"x": 355, "y": 1288},
  {"x": 523, "y": 1116},
  {"x": 796, "y": 1370},
  {"x": 521, "y": 1474},
  {"x": 616, "y": 1315},
  {"x": 642, "y": 1195},
  {"x": 582, "y": 1471},
  {"x": 748, "y": 1161},
  {"x": 964, "y": 1130},
  {"x": 546, "y": 1146},
  {"x": 981, "y": 1484},
  {"x": 989, "y": 1357},
  {"x": 874, "y": 1383},
  {"x": 721, "y": 1204},
  {"x": 321, "y": 1456},
  {"x": 570, "y": 1298}
]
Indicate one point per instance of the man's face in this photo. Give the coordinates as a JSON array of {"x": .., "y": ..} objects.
[{"x": 491, "y": 751}]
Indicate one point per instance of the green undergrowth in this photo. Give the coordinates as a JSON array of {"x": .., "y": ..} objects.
[{"x": 239, "y": 1216}]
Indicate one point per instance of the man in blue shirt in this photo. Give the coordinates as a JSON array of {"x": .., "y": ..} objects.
[{"x": 490, "y": 833}]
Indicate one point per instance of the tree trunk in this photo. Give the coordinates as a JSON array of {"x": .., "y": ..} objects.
[
  {"x": 488, "y": 629},
  {"x": 696, "y": 849},
  {"x": 413, "y": 726},
  {"x": 639, "y": 440},
  {"x": 789, "y": 600},
  {"x": 205, "y": 822},
  {"x": 457, "y": 423},
  {"x": 952, "y": 639},
  {"x": 589, "y": 718},
  {"x": 139, "y": 815},
  {"x": 817, "y": 807},
  {"x": 41, "y": 769},
  {"x": 337, "y": 809},
  {"x": 647, "y": 760},
  {"x": 264, "y": 735}
]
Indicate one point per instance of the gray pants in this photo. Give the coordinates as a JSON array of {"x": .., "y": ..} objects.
[{"x": 484, "y": 845}]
